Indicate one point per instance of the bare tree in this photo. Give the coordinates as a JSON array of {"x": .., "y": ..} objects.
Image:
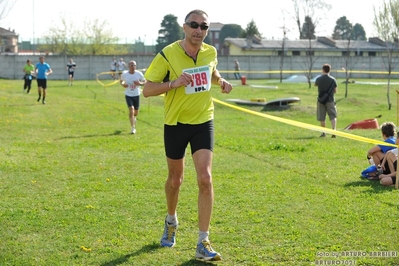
[
  {"x": 314, "y": 9},
  {"x": 56, "y": 40},
  {"x": 344, "y": 31},
  {"x": 283, "y": 53},
  {"x": 309, "y": 60},
  {"x": 386, "y": 22},
  {"x": 100, "y": 39},
  {"x": 307, "y": 32},
  {"x": 5, "y": 7},
  {"x": 95, "y": 38},
  {"x": 349, "y": 63}
]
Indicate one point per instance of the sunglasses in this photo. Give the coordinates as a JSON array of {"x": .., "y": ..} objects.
[{"x": 195, "y": 25}]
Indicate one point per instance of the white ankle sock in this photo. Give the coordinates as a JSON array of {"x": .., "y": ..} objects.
[
  {"x": 203, "y": 235},
  {"x": 171, "y": 219}
]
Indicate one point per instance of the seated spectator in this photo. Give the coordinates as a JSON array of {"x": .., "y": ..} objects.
[
  {"x": 389, "y": 166},
  {"x": 377, "y": 153},
  {"x": 388, "y": 177}
]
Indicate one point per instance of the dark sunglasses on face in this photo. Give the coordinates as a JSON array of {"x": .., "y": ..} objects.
[{"x": 195, "y": 25}]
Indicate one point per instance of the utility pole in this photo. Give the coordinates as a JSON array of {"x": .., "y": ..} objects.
[{"x": 33, "y": 25}]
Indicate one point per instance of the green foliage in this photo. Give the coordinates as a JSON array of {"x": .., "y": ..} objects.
[
  {"x": 342, "y": 29},
  {"x": 251, "y": 30},
  {"x": 308, "y": 29},
  {"x": 170, "y": 32},
  {"x": 358, "y": 32},
  {"x": 207, "y": 39},
  {"x": 230, "y": 31},
  {"x": 78, "y": 189}
]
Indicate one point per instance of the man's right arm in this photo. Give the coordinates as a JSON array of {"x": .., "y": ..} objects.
[
  {"x": 156, "y": 88},
  {"x": 154, "y": 75}
]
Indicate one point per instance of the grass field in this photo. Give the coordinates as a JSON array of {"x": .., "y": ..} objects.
[{"x": 78, "y": 189}]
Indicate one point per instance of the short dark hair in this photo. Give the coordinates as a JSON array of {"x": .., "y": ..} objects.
[
  {"x": 196, "y": 11},
  {"x": 388, "y": 129},
  {"x": 327, "y": 68}
]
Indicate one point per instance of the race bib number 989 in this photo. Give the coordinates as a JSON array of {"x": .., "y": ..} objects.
[{"x": 201, "y": 79}]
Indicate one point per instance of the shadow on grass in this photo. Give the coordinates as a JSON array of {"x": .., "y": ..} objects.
[
  {"x": 92, "y": 91},
  {"x": 149, "y": 249},
  {"x": 116, "y": 133},
  {"x": 372, "y": 184},
  {"x": 145, "y": 249},
  {"x": 194, "y": 262},
  {"x": 23, "y": 104}
]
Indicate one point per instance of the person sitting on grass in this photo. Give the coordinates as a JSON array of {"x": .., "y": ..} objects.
[
  {"x": 377, "y": 153},
  {"x": 388, "y": 177},
  {"x": 389, "y": 166}
]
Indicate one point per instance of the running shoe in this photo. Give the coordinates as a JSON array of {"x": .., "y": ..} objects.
[
  {"x": 205, "y": 252},
  {"x": 169, "y": 235}
]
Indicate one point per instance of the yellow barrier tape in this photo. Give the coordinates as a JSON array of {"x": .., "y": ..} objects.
[
  {"x": 106, "y": 73},
  {"x": 112, "y": 72},
  {"x": 302, "y": 71},
  {"x": 307, "y": 126}
]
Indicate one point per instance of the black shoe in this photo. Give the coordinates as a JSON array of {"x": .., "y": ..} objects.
[
  {"x": 333, "y": 136},
  {"x": 322, "y": 135},
  {"x": 38, "y": 99}
]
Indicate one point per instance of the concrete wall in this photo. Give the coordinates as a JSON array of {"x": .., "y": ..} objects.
[{"x": 254, "y": 67}]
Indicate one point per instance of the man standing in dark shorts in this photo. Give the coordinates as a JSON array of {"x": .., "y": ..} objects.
[
  {"x": 185, "y": 71},
  {"x": 42, "y": 71},
  {"x": 326, "y": 84}
]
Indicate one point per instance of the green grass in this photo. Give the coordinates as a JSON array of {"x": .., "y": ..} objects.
[{"x": 78, "y": 189}]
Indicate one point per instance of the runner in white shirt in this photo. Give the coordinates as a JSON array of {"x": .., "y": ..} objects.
[
  {"x": 132, "y": 80},
  {"x": 113, "y": 68},
  {"x": 121, "y": 67}
]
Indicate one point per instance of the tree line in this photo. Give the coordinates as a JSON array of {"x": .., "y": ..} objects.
[{"x": 97, "y": 38}]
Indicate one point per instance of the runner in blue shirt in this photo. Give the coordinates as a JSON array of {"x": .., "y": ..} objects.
[{"x": 42, "y": 71}]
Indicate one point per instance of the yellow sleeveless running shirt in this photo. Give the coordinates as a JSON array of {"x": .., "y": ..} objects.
[{"x": 191, "y": 104}]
